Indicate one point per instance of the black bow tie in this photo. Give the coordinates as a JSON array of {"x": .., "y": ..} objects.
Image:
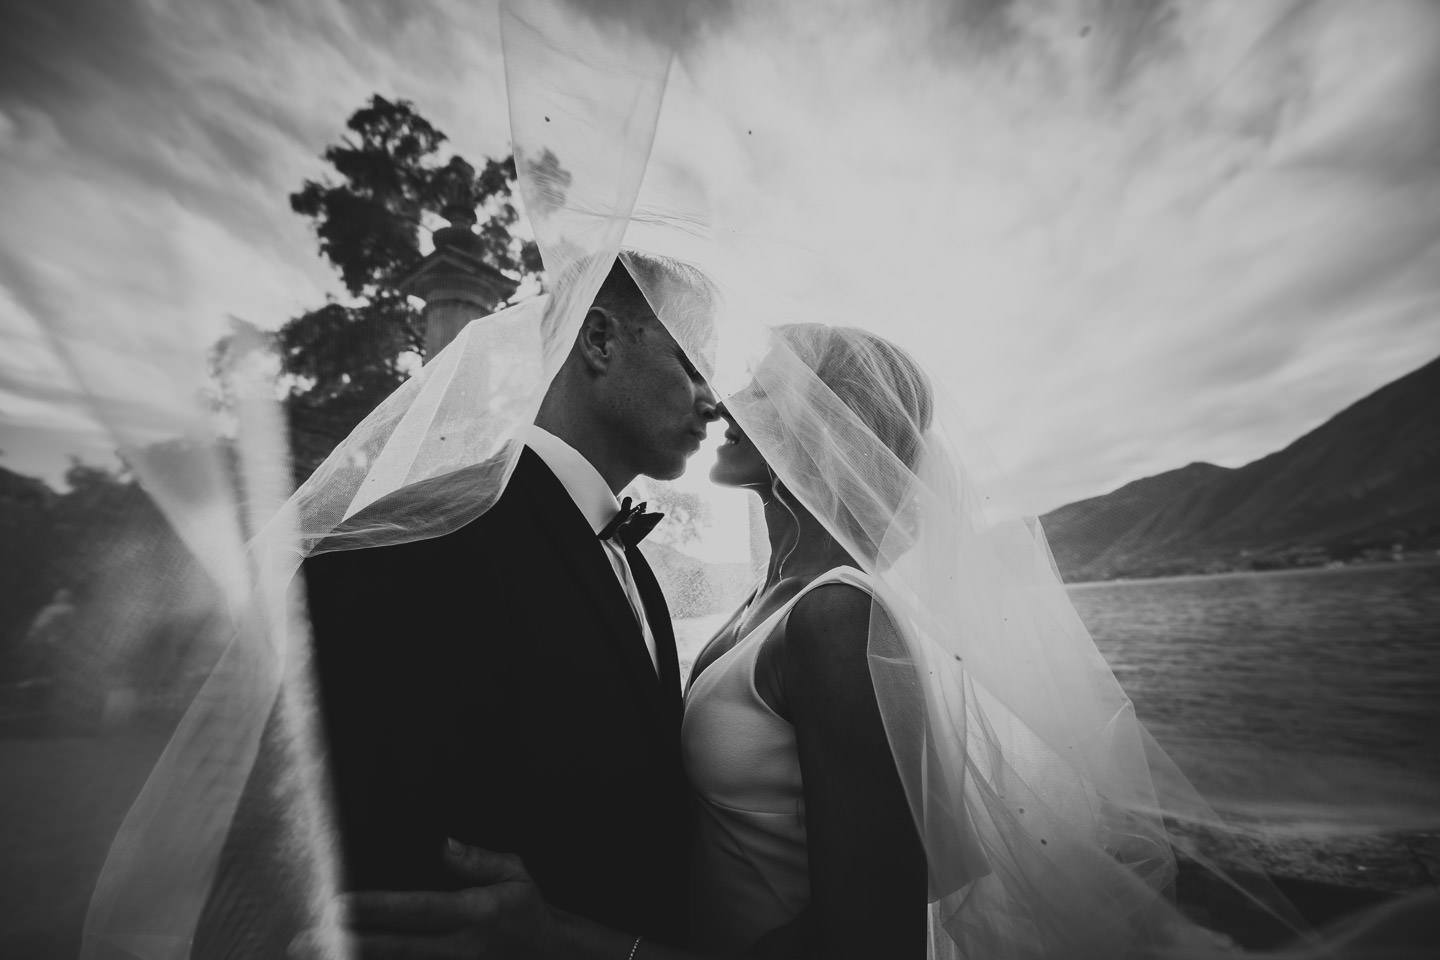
[{"x": 631, "y": 524}]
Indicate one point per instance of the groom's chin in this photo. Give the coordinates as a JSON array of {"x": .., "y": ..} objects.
[{"x": 668, "y": 471}]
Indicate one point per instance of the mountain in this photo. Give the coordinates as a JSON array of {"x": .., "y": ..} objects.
[{"x": 1364, "y": 484}]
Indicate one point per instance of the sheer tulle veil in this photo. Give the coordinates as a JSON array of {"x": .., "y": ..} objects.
[{"x": 1051, "y": 819}]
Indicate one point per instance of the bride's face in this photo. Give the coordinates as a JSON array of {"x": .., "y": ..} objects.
[{"x": 738, "y": 463}]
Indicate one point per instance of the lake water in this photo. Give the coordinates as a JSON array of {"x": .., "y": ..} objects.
[
  {"x": 1306, "y": 698},
  {"x": 1293, "y": 695}
]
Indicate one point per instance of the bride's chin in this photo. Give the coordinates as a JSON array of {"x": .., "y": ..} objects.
[{"x": 723, "y": 474}]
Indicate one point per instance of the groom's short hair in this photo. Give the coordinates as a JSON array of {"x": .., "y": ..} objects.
[
  {"x": 687, "y": 296},
  {"x": 621, "y": 296}
]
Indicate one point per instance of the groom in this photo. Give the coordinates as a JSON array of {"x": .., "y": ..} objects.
[{"x": 514, "y": 684}]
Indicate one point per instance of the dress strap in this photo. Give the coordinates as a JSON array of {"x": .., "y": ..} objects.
[{"x": 847, "y": 575}]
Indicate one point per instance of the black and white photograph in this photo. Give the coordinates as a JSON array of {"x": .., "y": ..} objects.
[{"x": 709, "y": 479}]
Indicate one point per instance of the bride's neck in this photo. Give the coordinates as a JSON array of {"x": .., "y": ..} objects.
[{"x": 800, "y": 546}]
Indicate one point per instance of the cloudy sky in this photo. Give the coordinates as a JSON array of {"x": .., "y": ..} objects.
[{"x": 1157, "y": 232}]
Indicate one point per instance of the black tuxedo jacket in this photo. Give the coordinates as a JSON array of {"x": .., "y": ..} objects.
[{"x": 492, "y": 685}]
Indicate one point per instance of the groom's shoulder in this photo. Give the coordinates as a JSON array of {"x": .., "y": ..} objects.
[{"x": 439, "y": 514}]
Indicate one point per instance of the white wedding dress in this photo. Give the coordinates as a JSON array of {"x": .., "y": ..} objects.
[{"x": 751, "y": 867}]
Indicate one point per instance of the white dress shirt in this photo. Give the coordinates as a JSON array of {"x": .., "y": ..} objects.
[{"x": 592, "y": 495}]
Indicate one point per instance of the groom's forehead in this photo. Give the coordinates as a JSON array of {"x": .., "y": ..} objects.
[
  {"x": 682, "y": 297},
  {"x": 696, "y": 335},
  {"x": 697, "y": 340}
]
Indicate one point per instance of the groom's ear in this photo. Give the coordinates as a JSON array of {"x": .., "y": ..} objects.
[{"x": 596, "y": 342}]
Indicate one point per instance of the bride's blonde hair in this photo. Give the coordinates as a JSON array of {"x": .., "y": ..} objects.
[
  {"x": 878, "y": 381},
  {"x": 868, "y": 454}
]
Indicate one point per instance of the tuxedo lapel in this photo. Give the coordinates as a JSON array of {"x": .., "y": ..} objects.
[
  {"x": 661, "y": 627},
  {"x": 556, "y": 517}
]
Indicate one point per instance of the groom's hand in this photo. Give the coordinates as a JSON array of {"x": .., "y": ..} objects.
[{"x": 499, "y": 914}]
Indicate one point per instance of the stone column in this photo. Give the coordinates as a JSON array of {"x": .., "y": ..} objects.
[
  {"x": 449, "y": 305},
  {"x": 456, "y": 284}
]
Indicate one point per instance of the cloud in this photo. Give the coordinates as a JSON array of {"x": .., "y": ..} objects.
[
  {"x": 1133, "y": 234},
  {"x": 224, "y": 105},
  {"x": 146, "y": 156}
]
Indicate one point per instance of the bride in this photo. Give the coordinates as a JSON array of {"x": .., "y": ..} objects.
[{"x": 802, "y": 817}]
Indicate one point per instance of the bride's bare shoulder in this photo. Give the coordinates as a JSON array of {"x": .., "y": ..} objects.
[
  {"x": 803, "y": 646},
  {"x": 822, "y": 665},
  {"x": 831, "y": 600},
  {"x": 828, "y": 619}
]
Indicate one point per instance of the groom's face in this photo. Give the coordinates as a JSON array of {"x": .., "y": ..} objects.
[{"x": 655, "y": 403}]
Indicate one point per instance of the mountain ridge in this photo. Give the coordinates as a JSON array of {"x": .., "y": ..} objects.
[{"x": 1360, "y": 486}]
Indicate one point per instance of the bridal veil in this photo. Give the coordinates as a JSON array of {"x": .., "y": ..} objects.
[{"x": 668, "y": 135}]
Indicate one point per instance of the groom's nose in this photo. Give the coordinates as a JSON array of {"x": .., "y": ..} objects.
[{"x": 708, "y": 403}]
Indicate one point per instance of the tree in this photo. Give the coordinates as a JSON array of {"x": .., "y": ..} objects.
[
  {"x": 343, "y": 358},
  {"x": 685, "y": 512},
  {"x": 28, "y": 569}
]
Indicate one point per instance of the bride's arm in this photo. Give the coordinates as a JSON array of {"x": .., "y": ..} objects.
[{"x": 867, "y": 864}]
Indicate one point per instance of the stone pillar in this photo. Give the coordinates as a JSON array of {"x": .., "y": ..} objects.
[
  {"x": 449, "y": 307},
  {"x": 456, "y": 284}
]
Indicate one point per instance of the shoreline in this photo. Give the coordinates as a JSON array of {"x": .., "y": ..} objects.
[
  {"x": 1379, "y": 861},
  {"x": 1326, "y": 878},
  {"x": 1334, "y": 567}
]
